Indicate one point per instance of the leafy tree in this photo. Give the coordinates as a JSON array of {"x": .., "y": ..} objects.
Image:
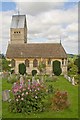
[
  {"x": 57, "y": 68},
  {"x": 73, "y": 70},
  {"x": 22, "y": 68},
  {"x": 70, "y": 64},
  {"x": 0, "y": 65},
  {"x": 77, "y": 63},
  {"x": 5, "y": 65},
  {"x": 42, "y": 67},
  {"x": 2, "y": 56}
]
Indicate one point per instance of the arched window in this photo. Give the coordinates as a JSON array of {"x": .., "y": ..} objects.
[
  {"x": 35, "y": 63},
  {"x": 62, "y": 61},
  {"x": 13, "y": 63},
  {"x": 27, "y": 63}
]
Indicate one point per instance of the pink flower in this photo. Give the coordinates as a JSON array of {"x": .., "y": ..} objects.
[
  {"x": 28, "y": 88},
  {"x": 29, "y": 80},
  {"x": 20, "y": 86},
  {"x": 22, "y": 98},
  {"x": 26, "y": 93},
  {"x": 38, "y": 89}
]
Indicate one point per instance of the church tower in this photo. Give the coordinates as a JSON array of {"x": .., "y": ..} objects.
[{"x": 18, "y": 30}]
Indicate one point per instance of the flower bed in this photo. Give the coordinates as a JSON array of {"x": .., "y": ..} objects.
[{"x": 28, "y": 97}]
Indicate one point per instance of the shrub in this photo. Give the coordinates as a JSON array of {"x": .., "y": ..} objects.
[
  {"x": 50, "y": 89},
  {"x": 58, "y": 71},
  {"x": 22, "y": 68},
  {"x": 34, "y": 72},
  {"x": 12, "y": 71},
  {"x": 51, "y": 79},
  {"x": 5, "y": 74},
  {"x": 42, "y": 67},
  {"x": 60, "y": 100},
  {"x": 13, "y": 78},
  {"x": 57, "y": 68},
  {"x": 29, "y": 77},
  {"x": 29, "y": 98}
]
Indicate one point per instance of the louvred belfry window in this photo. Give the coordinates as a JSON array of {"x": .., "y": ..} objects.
[
  {"x": 35, "y": 63},
  {"x": 27, "y": 63}
]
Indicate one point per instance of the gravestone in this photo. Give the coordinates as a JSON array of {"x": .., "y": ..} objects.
[
  {"x": 33, "y": 80},
  {"x": 21, "y": 80},
  {"x": 69, "y": 79},
  {"x": 73, "y": 81},
  {"x": 38, "y": 81},
  {"x": 5, "y": 95}
]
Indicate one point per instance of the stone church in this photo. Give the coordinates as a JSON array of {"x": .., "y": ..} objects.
[{"x": 19, "y": 51}]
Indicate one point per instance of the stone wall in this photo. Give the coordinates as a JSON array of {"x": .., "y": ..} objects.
[
  {"x": 48, "y": 67},
  {"x": 18, "y": 35}
]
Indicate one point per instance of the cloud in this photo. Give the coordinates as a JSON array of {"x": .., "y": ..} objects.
[
  {"x": 46, "y": 22},
  {"x": 34, "y": 8}
]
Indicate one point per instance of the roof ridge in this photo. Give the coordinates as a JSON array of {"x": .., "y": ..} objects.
[{"x": 18, "y": 15}]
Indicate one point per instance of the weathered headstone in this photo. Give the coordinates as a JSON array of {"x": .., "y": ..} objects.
[
  {"x": 41, "y": 79},
  {"x": 69, "y": 79},
  {"x": 38, "y": 81},
  {"x": 33, "y": 80},
  {"x": 5, "y": 95},
  {"x": 21, "y": 80},
  {"x": 73, "y": 81}
]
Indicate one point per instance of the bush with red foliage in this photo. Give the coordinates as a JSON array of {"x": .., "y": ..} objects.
[{"x": 60, "y": 100}]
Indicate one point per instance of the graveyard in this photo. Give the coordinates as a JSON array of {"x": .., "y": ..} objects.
[
  {"x": 57, "y": 83},
  {"x": 49, "y": 89}
]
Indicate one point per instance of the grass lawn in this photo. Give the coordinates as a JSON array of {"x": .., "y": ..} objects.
[{"x": 61, "y": 84}]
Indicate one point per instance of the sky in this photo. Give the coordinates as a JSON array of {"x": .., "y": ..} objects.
[{"x": 47, "y": 22}]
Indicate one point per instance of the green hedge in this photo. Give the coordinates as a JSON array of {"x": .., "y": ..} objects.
[
  {"x": 22, "y": 68},
  {"x": 57, "y": 68}
]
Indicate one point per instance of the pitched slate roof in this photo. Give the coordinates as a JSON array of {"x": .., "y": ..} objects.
[
  {"x": 18, "y": 21},
  {"x": 44, "y": 50}
]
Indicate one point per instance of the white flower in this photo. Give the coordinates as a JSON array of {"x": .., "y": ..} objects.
[
  {"x": 36, "y": 97},
  {"x": 17, "y": 100},
  {"x": 22, "y": 98}
]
